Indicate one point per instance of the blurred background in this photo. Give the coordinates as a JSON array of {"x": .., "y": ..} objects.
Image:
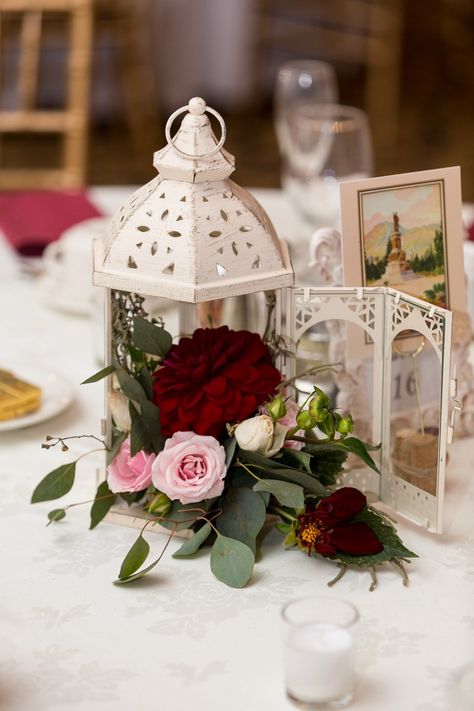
[{"x": 409, "y": 65}]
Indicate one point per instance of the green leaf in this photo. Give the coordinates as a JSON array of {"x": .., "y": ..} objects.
[
  {"x": 131, "y": 497},
  {"x": 327, "y": 465},
  {"x": 393, "y": 547},
  {"x": 243, "y": 516},
  {"x": 284, "y": 528},
  {"x": 184, "y": 515},
  {"x": 231, "y": 561},
  {"x": 229, "y": 445},
  {"x": 56, "y": 515},
  {"x": 276, "y": 470},
  {"x": 348, "y": 444},
  {"x": 150, "y": 415},
  {"x": 193, "y": 544},
  {"x": 150, "y": 338},
  {"x": 286, "y": 493},
  {"x": 135, "y": 557},
  {"x": 130, "y": 386},
  {"x": 99, "y": 375},
  {"x": 145, "y": 431},
  {"x": 301, "y": 457},
  {"x": 265, "y": 496},
  {"x": 101, "y": 506},
  {"x": 354, "y": 445},
  {"x": 55, "y": 484},
  {"x": 137, "y": 576},
  {"x": 146, "y": 381},
  {"x": 118, "y": 439}
]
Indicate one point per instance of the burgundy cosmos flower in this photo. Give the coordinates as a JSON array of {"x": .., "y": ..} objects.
[
  {"x": 214, "y": 377},
  {"x": 327, "y": 529}
]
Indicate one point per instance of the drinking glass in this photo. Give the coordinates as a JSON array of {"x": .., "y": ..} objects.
[
  {"x": 462, "y": 698},
  {"x": 329, "y": 143},
  {"x": 318, "y": 652},
  {"x": 299, "y": 84}
]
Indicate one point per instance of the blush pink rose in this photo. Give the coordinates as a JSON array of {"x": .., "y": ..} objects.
[
  {"x": 126, "y": 473},
  {"x": 289, "y": 421},
  {"x": 190, "y": 468}
]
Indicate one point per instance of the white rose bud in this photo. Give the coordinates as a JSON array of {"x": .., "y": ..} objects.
[
  {"x": 119, "y": 409},
  {"x": 259, "y": 434}
]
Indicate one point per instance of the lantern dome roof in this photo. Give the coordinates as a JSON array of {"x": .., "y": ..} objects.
[{"x": 191, "y": 233}]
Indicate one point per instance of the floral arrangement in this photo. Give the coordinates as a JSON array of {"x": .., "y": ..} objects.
[{"x": 206, "y": 437}]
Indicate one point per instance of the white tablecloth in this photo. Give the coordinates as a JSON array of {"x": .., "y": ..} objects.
[{"x": 179, "y": 639}]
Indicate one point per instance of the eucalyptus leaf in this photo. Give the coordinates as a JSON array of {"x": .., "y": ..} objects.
[
  {"x": 101, "y": 505},
  {"x": 108, "y": 370},
  {"x": 301, "y": 457},
  {"x": 135, "y": 557},
  {"x": 243, "y": 516},
  {"x": 193, "y": 544},
  {"x": 265, "y": 496},
  {"x": 231, "y": 561},
  {"x": 137, "y": 576},
  {"x": 229, "y": 445},
  {"x": 276, "y": 470},
  {"x": 150, "y": 338},
  {"x": 56, "y": 515},
  {"x": 130, "y": 387},
  {"x": 181, "y": 516},
  {"x": 286, "y": 493},
  {"x": 55, "y": 484}
]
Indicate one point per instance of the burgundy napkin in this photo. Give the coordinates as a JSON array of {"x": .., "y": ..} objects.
[
  {"x": 470, "y": 232},
  {"x": 31, "y": 219}
]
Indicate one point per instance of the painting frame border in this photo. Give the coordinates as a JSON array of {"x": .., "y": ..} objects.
[{"x": 352, "y": 238}]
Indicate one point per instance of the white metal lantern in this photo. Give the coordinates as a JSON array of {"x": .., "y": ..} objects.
[{"x": 191, "y": 235}]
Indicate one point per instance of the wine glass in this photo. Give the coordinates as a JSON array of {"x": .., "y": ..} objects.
[
  {"x": 300, "y": 84},
  {"x": 329, "y": 143}
]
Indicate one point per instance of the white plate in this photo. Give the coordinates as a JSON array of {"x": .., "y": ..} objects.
[{"x": 56, "y": 395}]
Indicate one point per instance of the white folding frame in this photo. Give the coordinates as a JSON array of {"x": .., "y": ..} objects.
[{"x": 383, "y": 313}]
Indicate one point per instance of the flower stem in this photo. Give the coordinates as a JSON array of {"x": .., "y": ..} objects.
[
  {"x": 282, "y": 513},
  {"x": 310, "y": 371},
  {"x": 241, "y": 464}
]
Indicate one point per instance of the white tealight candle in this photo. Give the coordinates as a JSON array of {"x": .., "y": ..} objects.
[{"x": 319, "y": 663}]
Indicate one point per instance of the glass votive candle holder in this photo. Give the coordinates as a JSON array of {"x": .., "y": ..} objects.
[
  {"x": 462, "y": 698},
  {"x": 318, "y": 652}
]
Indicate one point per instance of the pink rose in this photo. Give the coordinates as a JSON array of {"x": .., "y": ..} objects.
[
  {"x": 289, "y": 421},
  {"x": 190, "y": 468},
  {"x": 126, "y": 473}
]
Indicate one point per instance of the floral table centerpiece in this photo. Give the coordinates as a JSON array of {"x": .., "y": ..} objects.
[
  {"x": 206, "y": 439},
  {"x": 206, "y": 433}
]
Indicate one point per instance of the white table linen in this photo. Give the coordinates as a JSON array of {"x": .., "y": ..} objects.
[{"x": 179, "y": 639}]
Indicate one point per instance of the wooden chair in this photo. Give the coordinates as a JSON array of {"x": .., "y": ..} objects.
[
  {"x": 345, "y": 32},
  {"x": 71, "y": 122}
]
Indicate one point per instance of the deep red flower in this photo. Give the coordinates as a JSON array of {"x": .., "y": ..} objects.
[
  {"x": 214, "y": 377},
  {"x": 327, "y": 529}
]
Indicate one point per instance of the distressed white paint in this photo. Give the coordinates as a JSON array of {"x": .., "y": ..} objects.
[
  {"x": 191, "y": 233},
  {"x": 383, "y": 313}
]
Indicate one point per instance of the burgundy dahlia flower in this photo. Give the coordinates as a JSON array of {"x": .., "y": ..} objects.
[
  {"x": 328, "y": 529},
  {"x": 214, "y": 377}
]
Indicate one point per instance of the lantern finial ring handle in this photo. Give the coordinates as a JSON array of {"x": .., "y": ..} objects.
[{"x": 196, "y": 107}]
